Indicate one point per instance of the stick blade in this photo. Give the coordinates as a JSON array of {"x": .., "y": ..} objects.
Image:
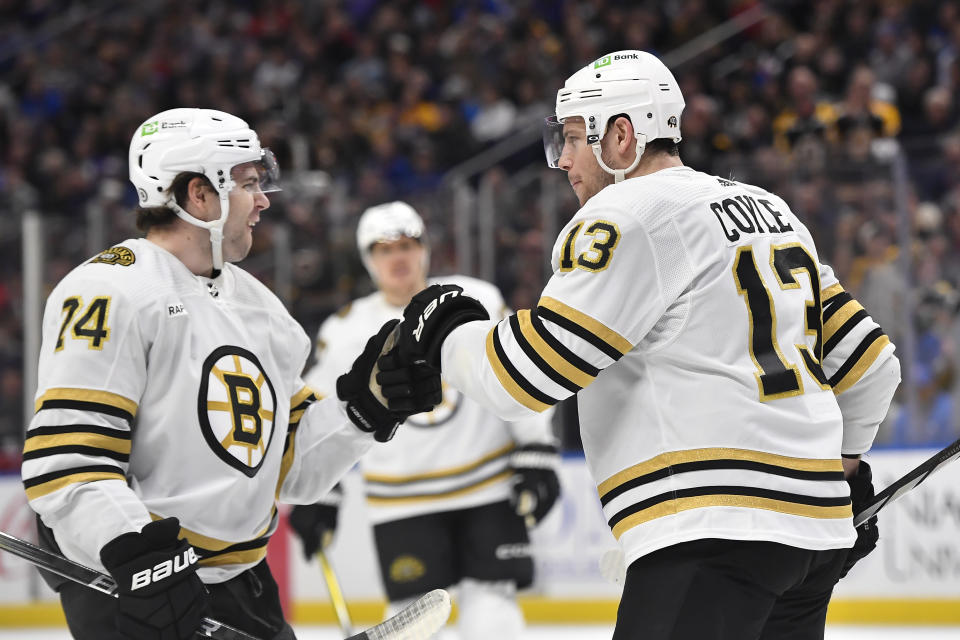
[{"x": 419, "y": 621}]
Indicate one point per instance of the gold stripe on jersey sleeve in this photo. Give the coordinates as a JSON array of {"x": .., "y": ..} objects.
[
  {"x": 837, "y": 320},
  {"x": 440, "y": 473},
  {"x": 382, "y": 501},
  {"x": 829, "y": 292},
  {"x": 595, "y": 327},
  {"x": 752, "y": 502},
  {"x": 302, "y": 395},
  {"x": 286, "y": 461},
  {"x": 716, "y": 453},
  {"x": 88, "y": 395},
  {"x": 507, "y": 382},
  {"x": 99, "y": 441},
  {"x": 249, "y": 556},
  {"x": 857, "y": 371},
  {"x": 551, "y": 357},
  {"x": 76, "y": 478}
]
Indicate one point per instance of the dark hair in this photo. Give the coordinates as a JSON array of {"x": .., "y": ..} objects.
[
  {"x": 154, "y": 217},
  {"x": 657, "y": 145}
]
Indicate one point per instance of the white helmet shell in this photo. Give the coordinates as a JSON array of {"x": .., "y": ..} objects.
[
  {"x": 631, "y": 82},
  {"x": 200, "y": 140},
  {"x": 388, "y": 222}
]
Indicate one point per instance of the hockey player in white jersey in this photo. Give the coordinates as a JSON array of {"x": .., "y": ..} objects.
[
  {"x": 170, "y": 412},
  {"x": 450, "y": 494},
  {"x": 727, "y": 385}
]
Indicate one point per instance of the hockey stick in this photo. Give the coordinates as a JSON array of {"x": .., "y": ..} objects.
[
  {"x": 336, "y": 594},
  {"x": 103, "y": 583},
  {"x": 418, "y": 621},
  {"x": 940, "y": 459}
]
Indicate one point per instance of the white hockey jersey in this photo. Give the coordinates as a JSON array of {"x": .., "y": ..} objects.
[
  {"x": 707, "y": 343},
  {"x": 162, "y": 393},
  {"x": 453, "y": 457}
]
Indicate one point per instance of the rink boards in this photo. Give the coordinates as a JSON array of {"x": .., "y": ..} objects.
[{"x": 913, "y": 577}]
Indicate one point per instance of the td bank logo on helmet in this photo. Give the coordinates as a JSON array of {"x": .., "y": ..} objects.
[{"x": 606, "y": 60}]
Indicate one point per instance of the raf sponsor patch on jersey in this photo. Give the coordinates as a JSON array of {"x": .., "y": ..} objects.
[
  {"x": 176, "y": 309},
  {"x": 237, "y": 408},
  {"x": 121, "y": 256}
]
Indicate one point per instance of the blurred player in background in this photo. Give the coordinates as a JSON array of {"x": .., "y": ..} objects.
[
  {"x": 452, "y": 495},
  {"x": 727, "y": 384},
  {"x": 171, "y": 415}
]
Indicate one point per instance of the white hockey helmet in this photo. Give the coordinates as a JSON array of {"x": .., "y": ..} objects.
[
  {"x": 634, "y": 83},
  {"x": 388, "y": 222},
  {"x": 204, "y": 141}
]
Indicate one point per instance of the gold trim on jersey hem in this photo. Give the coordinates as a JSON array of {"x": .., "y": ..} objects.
[
  {"x": 715, "y": 453},
  {"x": 440, "y": 473},
  {"x": 211, "y": 544},
  {"x": 507, "y": 382},
  {"x": 250, "y": 556},
  {"x": 592, "y": 325},
  {"x": 551, "y": 357},
  {"x": 677, "y": 505},
  {"x": 88, "y": 395},
  {"x": 76, "y": 478},
  {"x": 379, "y": 500},
  {"x": 866, "y": 360},
  {"x": 838, "y": 319},
  {"x": 99, "y": 441}
]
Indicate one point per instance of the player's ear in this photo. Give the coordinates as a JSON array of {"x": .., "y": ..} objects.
[
  {"x": 197, "y": 190},
  {"x": 623, "y": 129}
]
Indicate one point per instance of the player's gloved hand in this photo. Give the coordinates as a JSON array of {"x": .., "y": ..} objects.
[
  {"x": 160, "y": 595},
  {"x": 316, "y": 523},
  {"x": 535, "y": 485},
  {"x": 861, "y": 492},
  {"x": 378, "y": 401},
  {"x": 431, "y": 315}
]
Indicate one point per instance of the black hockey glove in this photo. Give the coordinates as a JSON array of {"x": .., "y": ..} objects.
[
  {"x": 535, "y": 485},
  {"x": 431, "y": 315},
  {"x": 160, "y": 595},
  {"x": 861, "y": 492},
  {"x": 377, "y": 402},
  {"x": 316, "y": 523}
]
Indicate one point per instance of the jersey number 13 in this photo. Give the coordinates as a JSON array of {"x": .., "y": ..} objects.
[{"x": 776, "y": 376}]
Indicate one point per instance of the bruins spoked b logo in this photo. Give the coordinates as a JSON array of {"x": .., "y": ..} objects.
[{"x": 236, "y": 407}]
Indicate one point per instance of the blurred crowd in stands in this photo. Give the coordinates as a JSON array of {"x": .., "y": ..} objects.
[{"x": 826, "y": 102}]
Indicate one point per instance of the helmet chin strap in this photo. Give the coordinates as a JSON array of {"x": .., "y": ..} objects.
[
  {"x": 620, "y": 174},
  {"x": 215, "y": 227}
]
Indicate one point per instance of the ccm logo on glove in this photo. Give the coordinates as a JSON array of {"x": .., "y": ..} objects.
[
  {"x": 164, "y": 569},
  {"x": 429, "y": 311}
]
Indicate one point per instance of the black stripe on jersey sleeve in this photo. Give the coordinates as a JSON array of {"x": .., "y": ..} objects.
[
  {"x": 834, "y": 304},
  {"x": 53, "y": 475},
  {"x": 309, "y": 400},
  {"x": 516, "y": 376},
  {"x": 83, "y": 405},
  {"x": 79, "y": 428},
  {"x": 76, "y": 448},
  {"x": 843, "y": 330},
  {"x": 559, "y": 347},
  {"x": 755, "y": 492},
  {"x": 710, "y": 465},
  {"x": 580, "y": 332},
  {"x": 547, "y": 370},
  {"x": 854, "y": 358}
]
